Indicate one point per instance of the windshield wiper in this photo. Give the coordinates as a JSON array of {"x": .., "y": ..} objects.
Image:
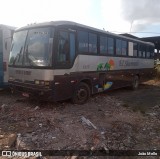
[
  {"x": 17, "y": 58},
  {"x": 28, "y": 59}
]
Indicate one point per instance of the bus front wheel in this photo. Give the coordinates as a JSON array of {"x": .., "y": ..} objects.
[
  {"x": 81, "y": 94},
  {"x": 135, "y": 83}
]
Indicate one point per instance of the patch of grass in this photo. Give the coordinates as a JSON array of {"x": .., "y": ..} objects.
[
  {"x": 126, "y": 105},
  {"x": 142, "y": 109},
  {"x": 157, "y": 129},
  {"x": 136, "y": 108}
]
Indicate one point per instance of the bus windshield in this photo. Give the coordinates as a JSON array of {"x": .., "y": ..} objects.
[{"x": 31, "y": 48}]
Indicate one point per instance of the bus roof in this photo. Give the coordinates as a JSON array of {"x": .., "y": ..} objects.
[{"x": 70, "y": 23}]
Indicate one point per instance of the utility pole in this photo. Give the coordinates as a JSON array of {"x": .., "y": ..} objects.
[{"x": 131, "y": 25}]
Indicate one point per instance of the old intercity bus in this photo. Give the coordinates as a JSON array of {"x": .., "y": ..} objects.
[
  {"x": 6, "y": 33},
  {"x": 61, "y": 60}
]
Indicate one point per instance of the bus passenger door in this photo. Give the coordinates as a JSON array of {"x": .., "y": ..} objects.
[
  {"x": 65, "y": 49},
  {"x": 65, "y": 58},
  {"x": 72, "y": 48}
]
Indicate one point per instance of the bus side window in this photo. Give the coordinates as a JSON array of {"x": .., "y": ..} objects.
[
  {"x": 110, "y": 46},
  {"x": 140, "y": 53},
  {"x": 83, "y": 41},
  {"x": 124, "y": 48},
  {"x": 135, "y": 49},
  {"x": 118, "y": 47}
]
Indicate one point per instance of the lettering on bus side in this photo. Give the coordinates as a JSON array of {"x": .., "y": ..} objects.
[
  {"x": 22, "y": 72},
  {"x": 86, "y": 66},
  {"x": 128, "y": 63}
]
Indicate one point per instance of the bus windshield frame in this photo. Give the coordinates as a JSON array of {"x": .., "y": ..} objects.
[{"x": 32, "y": 48}]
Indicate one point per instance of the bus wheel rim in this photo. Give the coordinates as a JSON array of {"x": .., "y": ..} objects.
[{"x": 82, "y": 94}]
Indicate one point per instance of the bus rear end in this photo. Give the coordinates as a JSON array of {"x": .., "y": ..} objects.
[{"x": 6, "y": 33}]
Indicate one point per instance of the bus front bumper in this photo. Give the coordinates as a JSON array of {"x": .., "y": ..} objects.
[{"x": 31, "y": 90}]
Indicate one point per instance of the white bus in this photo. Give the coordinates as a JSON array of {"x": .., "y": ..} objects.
[
  {"x": 6, "y": 33},
  {"x": 61, "y": 60}
]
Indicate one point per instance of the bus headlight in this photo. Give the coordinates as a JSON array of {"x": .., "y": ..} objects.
[
  {"x": 11, "y": 78},
  {"x": 47, "y": 83},
  {"x": 37, "y": 82}
]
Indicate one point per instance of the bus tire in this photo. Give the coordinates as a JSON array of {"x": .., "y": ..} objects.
[
  {"x": 135, "y": 82},
  {"x": 82, "y": 93}
]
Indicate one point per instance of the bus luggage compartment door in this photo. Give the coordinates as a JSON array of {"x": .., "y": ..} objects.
[{"x": 62, "y": 88}]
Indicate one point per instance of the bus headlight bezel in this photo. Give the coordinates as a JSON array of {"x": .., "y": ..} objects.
[
  {"x": 42, "y": 82},
  {"x": 11, "y": 78}
]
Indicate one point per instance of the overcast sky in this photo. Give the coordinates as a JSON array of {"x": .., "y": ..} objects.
[{"x": 112, "y": 15}]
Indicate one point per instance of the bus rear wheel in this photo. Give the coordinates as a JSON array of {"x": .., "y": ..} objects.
[
  {"x": 81, "y": 94},
  {"x": 135, "y": 83}
]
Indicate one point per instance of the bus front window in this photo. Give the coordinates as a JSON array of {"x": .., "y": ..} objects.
[
  {"x": 16, "y": 54},
  {"x": 38, "y": 48}
]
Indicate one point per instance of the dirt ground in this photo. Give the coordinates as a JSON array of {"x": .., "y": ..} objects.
[{"x": 117, "y": 120}]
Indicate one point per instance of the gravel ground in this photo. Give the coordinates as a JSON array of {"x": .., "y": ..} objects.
[{"x": 115, "y": 120}]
